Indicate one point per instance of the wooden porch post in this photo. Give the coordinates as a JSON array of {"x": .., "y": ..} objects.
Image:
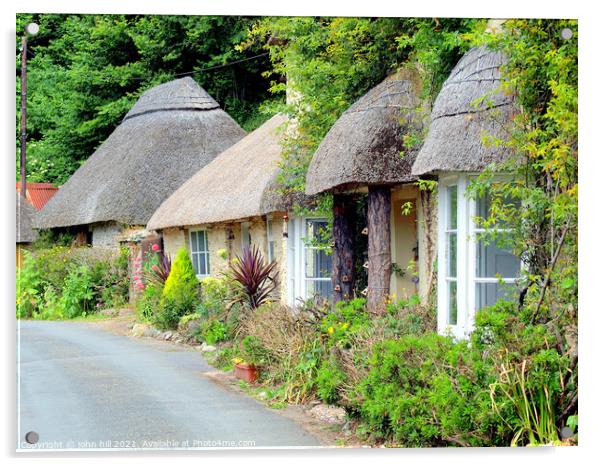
[
  {"x": 379, "y": 246},
  {"x": 343, "y": 252}
]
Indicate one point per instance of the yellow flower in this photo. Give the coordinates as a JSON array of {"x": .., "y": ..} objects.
[
  {"x": 345, "y": 325},
  {"x": 237, "y": 360},
  {"x": 330, "y": 330}
]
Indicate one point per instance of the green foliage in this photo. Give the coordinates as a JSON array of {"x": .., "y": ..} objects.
[
  {"x": 253, "y": 351},
  {"x": 86, "y": 71},
  {"x": 427, "y": 391},
  {"x": 214, "y": 331},
  {"x": 148, "y": 303},
  {"x": 215, "y": 294},
  {"x": 77, "y": 295},
  {"x": 180, "y": 293},
  {"x": 329, "y": 380},
  {"x": 65, "y": 283},
  {"x": 348, "y": 318},
  {"x": 29, "y": 287}
]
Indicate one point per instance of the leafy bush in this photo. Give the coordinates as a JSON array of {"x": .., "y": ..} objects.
[
  {"x": 77, "y": 297},
  {"x": 213, "y": 331},
  {"x": 180, "y": 294},
  {"x": 29, "y": 287},
  {"x": 63, "y": 283},
  {"x": 215, "y": 293},
  {"x": 253, "y": 351},
  {"x": 149, "y": 303},
  {"x": 330, "y": 379},
  {"x": 428, "y": 391},
  {"x": 257, "y": 278},
  {"x": 348, "y": 318}
]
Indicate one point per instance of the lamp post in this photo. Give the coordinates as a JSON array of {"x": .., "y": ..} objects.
[{"x": 30, "y": 30}]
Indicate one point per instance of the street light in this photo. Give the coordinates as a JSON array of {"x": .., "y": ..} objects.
[{"x": 30, "y": 30}]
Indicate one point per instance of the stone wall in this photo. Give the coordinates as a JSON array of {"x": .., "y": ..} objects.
[{"x": 106, "y": 234}]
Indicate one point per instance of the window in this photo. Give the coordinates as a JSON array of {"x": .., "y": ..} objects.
[
  {"x": 270, "y": 235},
  {"x": 245, "y": 235},
  {"x": 199, "y": 252},
  {"x": 309, "y": 267},
  {"x": 318, "y": 264},
  {"x": 476, "y": 271}
]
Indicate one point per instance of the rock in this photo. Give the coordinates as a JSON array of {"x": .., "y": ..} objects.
[
  {"x": 167, "y": 336},
  {"x": 205, "y": 348},
  {"x": 329, "y": 414},
  {"x": 189, "y": 328},
  {"x": 138, "y": 330},
  {"x": 262, "y": 395},
  {"x": 150, "y": 332}
]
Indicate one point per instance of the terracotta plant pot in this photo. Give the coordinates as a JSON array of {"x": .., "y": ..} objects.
[{"x": 247, "y": 372}]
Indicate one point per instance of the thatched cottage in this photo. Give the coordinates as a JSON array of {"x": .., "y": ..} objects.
[
  {"x": 25, "y": 233},
  {"x": 232, "y": 203},
  {"x": 363, "y": 152},
  {"x": 470, "y": 105},
  {"x": 172, "y": 131}
]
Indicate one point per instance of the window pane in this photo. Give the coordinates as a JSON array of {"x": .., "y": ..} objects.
[
  {"x": 323, "y": 288},
  {"x": 452, "y": 264},
  {"x": 452, "y": 318},
  {"x": 452, "y": 217},
  {"x": 193, "y": 244},
  {"x": 493, "y": 261},
  {"x": 271, "y": 251},
  {"x": 195, "y": 263},
  {"x": 318, "y": 264},
  {"x": 203, "y": 241},
  {"x": 487, "y": 294},
  {"x": 316, "y": 229},
  {"x": 484, "y": 206},
  {"x": 202, "y": 265}
]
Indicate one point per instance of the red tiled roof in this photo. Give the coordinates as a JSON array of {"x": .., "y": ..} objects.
[{"x": 38, "y": 194}]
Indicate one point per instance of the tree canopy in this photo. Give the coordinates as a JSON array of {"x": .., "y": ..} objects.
[{"x": 86, "y": 71}]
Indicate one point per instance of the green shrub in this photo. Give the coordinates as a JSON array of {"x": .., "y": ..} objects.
[
  {"x": 348, "y": 318},
  {"x": 29, "y": 287},
  {"x": 180, "y": 294},
  {"x": 77, "y": 297},
  {"x": 253, "y": 351},
  {"x": 148, "y": 303},
  {"x": 428, "y": 391},
  {"x": 213, "y": 297},
  {"x": 80, "y": 279},
  {"x": 330, "y": 379},
  {"x": 213, "y": 331}
]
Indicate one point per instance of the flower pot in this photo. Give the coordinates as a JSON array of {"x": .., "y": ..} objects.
[{"x": 247, "y": 372}]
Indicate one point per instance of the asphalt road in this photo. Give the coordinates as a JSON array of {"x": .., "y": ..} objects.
[{"x": 82, "y": 387}]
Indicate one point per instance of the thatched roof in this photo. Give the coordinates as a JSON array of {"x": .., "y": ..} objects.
[
  {"x": 469, "y": 106},
  {"x": 363, "y": 147},
  {"x": 172, "y": 131},
  {"x": 25, "y": 220},
  {"x": 239, "y": 183}
]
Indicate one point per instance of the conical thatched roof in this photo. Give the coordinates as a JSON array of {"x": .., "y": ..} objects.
[
  {"x": 238, "y": 184},
  {"x": 363, "y": 147},
  {"x": 25, "y": 220},
  {"x": 172, "y": 131},
  {"x": 469, "y": 106}
]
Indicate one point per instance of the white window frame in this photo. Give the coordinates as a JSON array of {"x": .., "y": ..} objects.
[
  {"x": 467, "y": 243},
  {"x": 202, "y": 255},
  {"x": 297, "y": 257}
]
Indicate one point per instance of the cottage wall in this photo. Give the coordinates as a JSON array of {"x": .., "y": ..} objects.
[
  {"x": 404, "y": 242},
  {"x": 218, "y": 239},
  {"x": 106, "y": 234}
]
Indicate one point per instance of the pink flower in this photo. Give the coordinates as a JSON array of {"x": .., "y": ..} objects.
[
  {"x": 140, "y": 285},
  {"x": 135, "y": 278},
  {"x": 155, "y": 268},
  {"x": 155, "y": 247}
]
